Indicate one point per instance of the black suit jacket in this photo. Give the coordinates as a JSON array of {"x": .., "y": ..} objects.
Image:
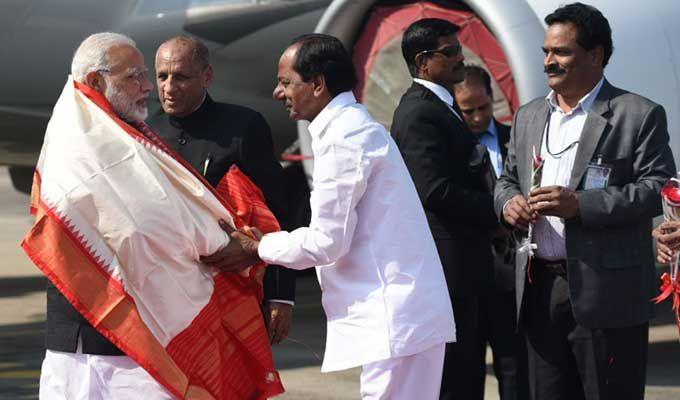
[
  {"x": 227, "y": 134},
  {"x": 503, "y": 138},
  {"x": 504, "y": 260},
  {"x": 437, "y": 147}
]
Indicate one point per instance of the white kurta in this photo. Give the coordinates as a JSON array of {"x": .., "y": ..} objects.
[
  {"x": 383, "y": 286},
  {"x": 78, "y": 376}
]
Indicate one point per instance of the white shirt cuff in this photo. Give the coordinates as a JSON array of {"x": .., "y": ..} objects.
[
  {"x": 503, "y": 210},
  {"x": 267, "y": 249},
  {"x": 291, "y": 303}
]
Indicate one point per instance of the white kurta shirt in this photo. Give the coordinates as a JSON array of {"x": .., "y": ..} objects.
[
  {"x": 383, "y": 286},
  {"x": 565, "y": 129}
]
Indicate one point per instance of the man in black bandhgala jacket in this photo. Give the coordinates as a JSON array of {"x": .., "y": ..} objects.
[{"x": 212, "y": 137}]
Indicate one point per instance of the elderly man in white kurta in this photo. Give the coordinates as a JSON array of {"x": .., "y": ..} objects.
[{"x": 383, "y": 287}]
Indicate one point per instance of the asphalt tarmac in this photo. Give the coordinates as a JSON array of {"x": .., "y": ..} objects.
[{"x": 22, "y": 319}]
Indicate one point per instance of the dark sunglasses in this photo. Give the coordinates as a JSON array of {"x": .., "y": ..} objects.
[{"x": 448, "y": 51}]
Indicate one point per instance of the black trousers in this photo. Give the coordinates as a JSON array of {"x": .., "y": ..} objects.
[
  {"x": 482, "y": 319},
  {"x": 507, "y": 346},
  {"x": 568, "y": 361},
  {"x": 464, "y": 364}
]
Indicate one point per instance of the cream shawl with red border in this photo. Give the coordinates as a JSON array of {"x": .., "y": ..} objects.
[{"x": 120, "y": 225}]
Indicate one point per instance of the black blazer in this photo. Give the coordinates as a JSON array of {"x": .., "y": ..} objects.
[
  {"x": 227, "y": 134},
  {"x": 503, "y": 138},
  {"x": 504, "y": 260},
  {"x": 437, "y": 147},
  {"x": 219, "y": 135}
]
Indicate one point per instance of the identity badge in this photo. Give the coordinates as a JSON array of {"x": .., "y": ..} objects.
[{"x": 597, "y": 176}]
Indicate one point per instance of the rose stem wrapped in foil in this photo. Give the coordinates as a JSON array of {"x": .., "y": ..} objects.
[
  {"x": 536, "y": 175},
  {"x": 670, "y": 281}
]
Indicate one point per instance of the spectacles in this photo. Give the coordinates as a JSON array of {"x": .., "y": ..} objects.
[
  {"x": 448, "y": 51},
  {"x": 135, "y": 75}
]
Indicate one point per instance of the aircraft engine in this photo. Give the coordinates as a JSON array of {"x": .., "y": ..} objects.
[{"x": 490, "y": 33}]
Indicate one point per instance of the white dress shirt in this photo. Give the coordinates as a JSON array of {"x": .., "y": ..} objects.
[
  {"x": 441, "y": 92},
  {"x": 565, "y": 129},
  {"x": 384, "y": 291},
  {"x": 491, "y": 140}
]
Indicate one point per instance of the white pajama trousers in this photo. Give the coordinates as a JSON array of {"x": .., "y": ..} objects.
[
  {"x": 78, "y": 376},
  {"x": 418, "y": 376}
]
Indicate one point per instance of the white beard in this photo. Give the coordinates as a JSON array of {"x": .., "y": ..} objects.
[{"x": 124, "y": 106}]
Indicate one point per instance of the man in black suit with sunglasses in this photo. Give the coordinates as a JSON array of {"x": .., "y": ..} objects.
[{"x": 443, "y": 158}]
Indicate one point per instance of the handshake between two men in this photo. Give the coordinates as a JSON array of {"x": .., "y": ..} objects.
[{"x": 240, "y": 253}]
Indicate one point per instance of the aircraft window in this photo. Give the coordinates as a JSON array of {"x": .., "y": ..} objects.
[
  {"x": 195, "y": 3},
  {"x": 145, "y": 7}
]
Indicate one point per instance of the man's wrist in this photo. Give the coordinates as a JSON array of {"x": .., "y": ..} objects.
[
  {"x": 578, "y": 206},
  {"x": 577, "y": 210},
  {"x": 251, "y": 249},
  {"x": 505, "y": 205}
]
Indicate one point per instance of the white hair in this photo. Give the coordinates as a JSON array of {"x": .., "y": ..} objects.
[{"x": 91, "y": 55}]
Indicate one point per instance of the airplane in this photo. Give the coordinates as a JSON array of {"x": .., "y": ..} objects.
[{"x": 246, "y": 37}]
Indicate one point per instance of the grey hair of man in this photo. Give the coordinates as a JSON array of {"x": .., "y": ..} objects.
[{"x": 91, "y": 55}]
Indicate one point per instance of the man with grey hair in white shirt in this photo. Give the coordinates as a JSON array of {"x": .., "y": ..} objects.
[{"x": 383, "y": 287}]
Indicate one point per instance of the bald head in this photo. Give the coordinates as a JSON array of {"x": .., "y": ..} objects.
[
  {"x": 476, "y": 77},
  {"x": 190, "y": 47},
  {"x": 183, "y": 75}
]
